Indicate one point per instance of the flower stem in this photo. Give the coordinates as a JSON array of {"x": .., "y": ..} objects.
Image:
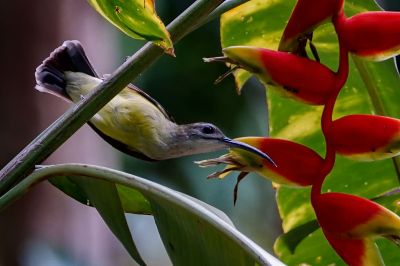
[{"x": 326, "y": 120}]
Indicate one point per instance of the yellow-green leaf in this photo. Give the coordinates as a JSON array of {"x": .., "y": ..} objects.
[{"x": 136, "y": 18}]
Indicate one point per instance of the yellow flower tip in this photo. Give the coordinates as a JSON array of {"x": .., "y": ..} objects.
[
  {"x": 246, "y": 57},
  {"x": 240, "y": 51},
  {"x": 275, "y": 185}
]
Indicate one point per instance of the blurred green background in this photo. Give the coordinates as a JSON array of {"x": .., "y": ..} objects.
[{"x": 47, "y": 228}]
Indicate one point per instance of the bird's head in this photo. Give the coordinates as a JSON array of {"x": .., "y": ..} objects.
[{"x": 205, "y": 137}]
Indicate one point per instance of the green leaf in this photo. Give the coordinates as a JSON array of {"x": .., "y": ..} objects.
[
  {"x": 136, "y": 18},
  {"x": 132, "y": 201},
  {"x": 372, "y": 87},
  {"x": 107, "y": 199},
  {"x": 289, "y": 241},
  {"x": 193, "y": 232},
  {"x": 104, "y": 197},
  {"x": 390, "y": 200}
]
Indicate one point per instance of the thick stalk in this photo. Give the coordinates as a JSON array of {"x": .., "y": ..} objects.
[
  {"x": 225, "y": 6},
  {"x": 326, "y": 120},
  {"x": 57, "y": 133}
]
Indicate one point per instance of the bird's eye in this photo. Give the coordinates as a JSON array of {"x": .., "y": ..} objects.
[{"x": 208, "y": 130}]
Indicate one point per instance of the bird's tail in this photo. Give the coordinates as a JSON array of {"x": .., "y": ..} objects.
[{"x": 50, "y": 76}]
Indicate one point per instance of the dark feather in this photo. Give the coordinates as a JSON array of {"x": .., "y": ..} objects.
[{"x": 70, "y": 56}]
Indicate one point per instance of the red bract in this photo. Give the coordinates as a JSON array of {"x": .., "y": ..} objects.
[
  {"x": 297, "y": 164},
  {"x": 306, "y": 16},
  {"x": 366, "y": 137},
  {"x": 356, "y": 252},
  {"x": 373, "y": 35},
  {"x": 351, "y": 224},
  {"x": 294, "y": 76}
]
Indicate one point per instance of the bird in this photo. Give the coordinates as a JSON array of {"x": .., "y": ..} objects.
[{"x": 132, "y": 122}]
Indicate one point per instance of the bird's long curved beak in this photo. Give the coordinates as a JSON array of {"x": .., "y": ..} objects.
[{"x": 237, "y": 144}]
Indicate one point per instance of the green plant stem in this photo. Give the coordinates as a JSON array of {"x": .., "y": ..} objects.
[
  {"x": 341, "y": 76},
  {"x": 371, "y": 85},
  {"x": 57, "y": 133},
  {"x": 373, "y": 91}
]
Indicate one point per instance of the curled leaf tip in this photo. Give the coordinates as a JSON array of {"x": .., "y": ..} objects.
[{"x": 170, "y": 51}]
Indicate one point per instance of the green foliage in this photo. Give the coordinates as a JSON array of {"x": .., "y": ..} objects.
[
  {"x": 371, "y": 88},
  {"x": 136, "y": 18},
  {"x": 193, "y": 233},
  {"x": 104, "y": 197}
]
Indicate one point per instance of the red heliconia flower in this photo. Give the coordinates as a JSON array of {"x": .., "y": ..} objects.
[
  {"x": 366, "y": 137},
  {"x": 296, "y": 164},
  {"x": 351, "y": 224},
  {"x": 373, "y": 35},
  {"x": 306, "y": 16},
  {"x": 294, "y": 76}
]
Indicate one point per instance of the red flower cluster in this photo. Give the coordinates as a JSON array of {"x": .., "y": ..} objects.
[{"x": 350, "y": 223}]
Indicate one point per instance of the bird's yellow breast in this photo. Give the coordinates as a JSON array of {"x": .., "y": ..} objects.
[{"x": 129, "y": 117}]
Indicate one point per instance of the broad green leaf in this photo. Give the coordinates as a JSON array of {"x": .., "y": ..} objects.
[
  {"x": 289, "y": 241},
  {"x": 136, "y": 18},
  {"x": 103, "y": 195},
  {"x": 132, "y": 201},
  {"x": 372, "y": 87},
  {"x": 110, "y": 201},
  {"x": 193, "y": 232}
]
